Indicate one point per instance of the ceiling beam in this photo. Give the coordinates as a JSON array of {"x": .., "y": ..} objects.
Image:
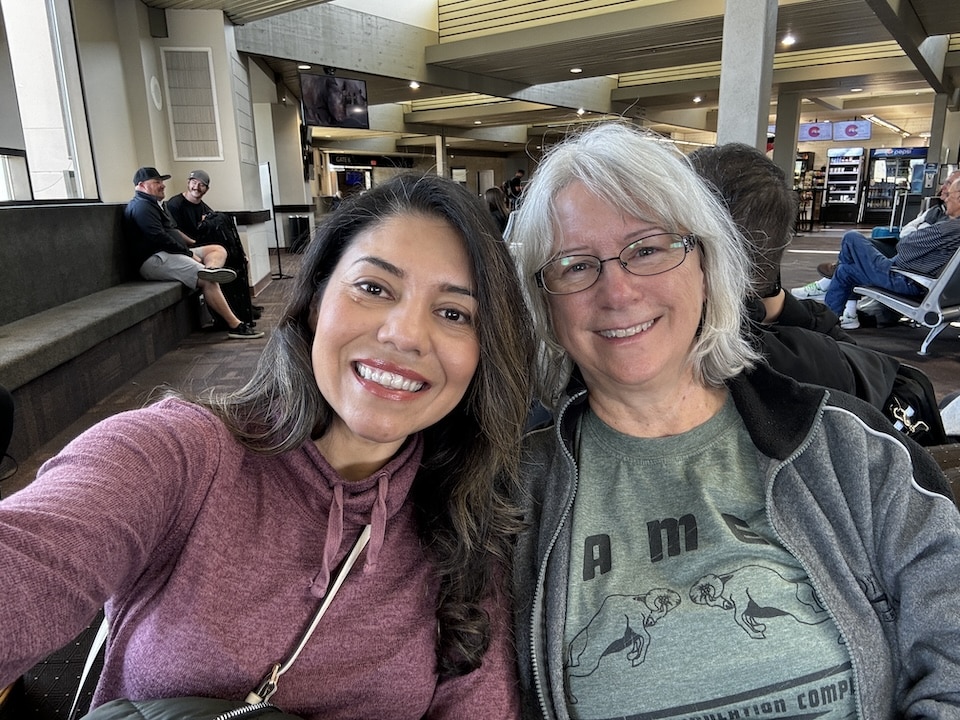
[{"x": 927, "y": 53}]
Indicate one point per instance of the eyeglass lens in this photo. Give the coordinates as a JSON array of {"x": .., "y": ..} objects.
[{"x": 650, "y": 255}]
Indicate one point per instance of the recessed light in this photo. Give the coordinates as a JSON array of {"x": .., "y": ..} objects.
[
  {"x": 580, "y": 111},
  {"x": 856, "y": 89},
  {"x": 698, "y": 99},
  {"x": 788, "y": 40},
  {"x": 478, "y": 122},
  {"x": 414, "y": 85},
  {"x": 303, "y": 67},
  {"x": 576, "y": 70}
]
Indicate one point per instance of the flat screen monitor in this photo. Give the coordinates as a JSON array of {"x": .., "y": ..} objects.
[{"x": 329, "y": 101}]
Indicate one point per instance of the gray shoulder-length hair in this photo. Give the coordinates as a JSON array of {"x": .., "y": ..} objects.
[{"x": 647, "y": 179}]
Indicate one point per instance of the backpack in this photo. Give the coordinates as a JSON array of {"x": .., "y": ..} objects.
[{"x": 912, "y": 407}]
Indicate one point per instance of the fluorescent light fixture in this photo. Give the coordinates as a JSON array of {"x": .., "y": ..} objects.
[
  {"x": 856, "y": 90},
  {"x": 888, "y": 125},
  {"x": 303, "y": 66},
  {"x": 576, "y": 71}
]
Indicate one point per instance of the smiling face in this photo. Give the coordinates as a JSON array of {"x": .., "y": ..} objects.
[
  {"x": 196, "y": 189},
  {"x": 395, "y": 346},
  {"x": 627, "y": 334},
  {"x": 156, "y": 187}
]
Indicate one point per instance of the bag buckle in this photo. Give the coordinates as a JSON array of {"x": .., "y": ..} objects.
[{"x": 903, "y": 414}]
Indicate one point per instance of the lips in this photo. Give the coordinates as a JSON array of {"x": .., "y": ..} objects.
[
  {"x": 627, "y": 332},
  {"x": 389, "y": 380}
]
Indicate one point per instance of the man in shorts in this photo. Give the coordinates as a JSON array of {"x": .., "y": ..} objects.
[{"x": 162, "y": 252}]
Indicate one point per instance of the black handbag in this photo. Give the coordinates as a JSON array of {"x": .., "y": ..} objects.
[
  {"x": 257, "y": 703},
  {"x": 187, "y": 708}
]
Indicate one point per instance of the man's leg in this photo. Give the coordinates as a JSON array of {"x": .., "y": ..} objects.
[
  {"x": 212, "y": 256},
  {"x": 860, "y": 264}
]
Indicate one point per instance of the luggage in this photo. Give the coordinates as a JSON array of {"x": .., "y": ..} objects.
[{"x": 220, "y": 229}]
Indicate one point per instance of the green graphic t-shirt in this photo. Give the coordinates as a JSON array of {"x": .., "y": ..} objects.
[{"x": 682, "y": 602}]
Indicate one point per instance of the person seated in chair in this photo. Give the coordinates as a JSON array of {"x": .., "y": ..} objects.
[
  {"x": 802, "y": 338},
  {"x": 924, "y": 251},
  {"x": 205, "y": 226},
  {"x": 162, "y": 252}
]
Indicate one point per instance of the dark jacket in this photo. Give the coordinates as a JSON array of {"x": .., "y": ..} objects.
[
  {"x": 865, "y": 511},
  {"x": 150, "y": 229}
]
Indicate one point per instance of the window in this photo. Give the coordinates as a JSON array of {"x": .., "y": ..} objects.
[{"x": 44, "y": 143}]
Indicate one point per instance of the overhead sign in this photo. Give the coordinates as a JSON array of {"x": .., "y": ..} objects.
[
  {"x": 847, "y": 130},
  {"x": 811, "y": 132}
]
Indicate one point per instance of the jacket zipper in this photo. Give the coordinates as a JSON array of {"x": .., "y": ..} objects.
[
  {"x": 768, "y": 492},
  {"x": 539, "y": 594}
]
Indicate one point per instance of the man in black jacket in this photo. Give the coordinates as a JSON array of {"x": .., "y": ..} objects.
[{"x": 162, "y": 252}]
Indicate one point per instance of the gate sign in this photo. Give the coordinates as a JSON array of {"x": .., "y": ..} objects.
[
  {"x": 851, "y": 130},
  {"x": 811, "y": 132}
]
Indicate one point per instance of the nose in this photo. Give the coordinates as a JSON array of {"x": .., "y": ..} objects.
[
  {"x": 406, "y": 327},
  {"x": 615, "y": 283}
]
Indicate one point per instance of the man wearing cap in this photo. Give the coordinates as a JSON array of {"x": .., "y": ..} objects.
[
  {"x": 188, "y": 208},
  {"x": 205, "y": 226},
  {"x": 162, "y": 252}
]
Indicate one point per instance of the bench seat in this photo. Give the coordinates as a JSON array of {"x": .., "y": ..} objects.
[{"x": 36, "y": 344}]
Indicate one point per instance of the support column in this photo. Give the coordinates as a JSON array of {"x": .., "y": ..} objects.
[
  {"x": 788, "y": 131},
  {"x": 938, "y": 147},
  {"x": 441, "y": 146},
  {"x": 746, "y": 71}
]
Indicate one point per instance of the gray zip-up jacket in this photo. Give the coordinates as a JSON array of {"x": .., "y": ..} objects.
[{"x": 867, "y": 513}]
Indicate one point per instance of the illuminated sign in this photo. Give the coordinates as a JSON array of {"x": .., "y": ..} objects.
[
  {"x": 847, "y": 130},
  {"x": 811, "y": 132}
]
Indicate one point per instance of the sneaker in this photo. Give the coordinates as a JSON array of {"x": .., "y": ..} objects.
[
  {"x": 810, "y": 290},
  {"x": 827, "y": 269},
  {"x": 217, "y": 275},
  {"x": 849, "y": 322},
  {"x": 245, "y": 332}
]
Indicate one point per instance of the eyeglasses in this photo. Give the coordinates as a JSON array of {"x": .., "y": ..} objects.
[{"x": 650, "y": 255}]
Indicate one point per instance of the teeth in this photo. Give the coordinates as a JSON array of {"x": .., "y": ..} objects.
[
  {"x": 627, "y": 332},
  {"x": 388, "y": 379}
]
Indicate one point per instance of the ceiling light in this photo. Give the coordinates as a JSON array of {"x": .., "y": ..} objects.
[
  {"x": 576, "y": 70},
  {"x": 888, "y": 125},
  {"x": 580, "y": 111},
  {"x": 856, "y": 89},
  {"x": 303, "y": 66},
  {"x": 414, "y": 85},
  {"x": 478, "y": 122},
  {"x": 698, "y": 99},
  {"x": 788, "y": 40}
]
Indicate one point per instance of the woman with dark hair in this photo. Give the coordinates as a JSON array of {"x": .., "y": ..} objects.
[
  {"x": 498, "y": 205},
  {"x": 391, "y": 395}
]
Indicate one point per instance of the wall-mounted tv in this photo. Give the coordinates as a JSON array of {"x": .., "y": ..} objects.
[{"x": 329, "y": 101}]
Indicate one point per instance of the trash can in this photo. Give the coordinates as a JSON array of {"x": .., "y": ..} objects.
[{"x": 299, "y": 233}]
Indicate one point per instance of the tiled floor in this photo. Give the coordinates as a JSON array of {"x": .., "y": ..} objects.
[{"x": 206, "y": 360}]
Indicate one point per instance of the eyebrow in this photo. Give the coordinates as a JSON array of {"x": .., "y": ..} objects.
[{"x": 399, "y": 272}]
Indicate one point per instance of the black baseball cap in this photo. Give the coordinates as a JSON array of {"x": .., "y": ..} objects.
[{"x": 148, "y": 173}]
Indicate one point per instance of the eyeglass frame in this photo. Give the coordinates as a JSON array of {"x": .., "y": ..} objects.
[{"x": 689, "y": 240}]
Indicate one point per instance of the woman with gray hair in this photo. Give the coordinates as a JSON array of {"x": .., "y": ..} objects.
[{"x": 704, "y": 534}]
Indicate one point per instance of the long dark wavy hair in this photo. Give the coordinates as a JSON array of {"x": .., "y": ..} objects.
[{"x": 471, "y": 457}]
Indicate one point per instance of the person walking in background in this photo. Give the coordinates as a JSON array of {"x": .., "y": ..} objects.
[
  {"x": 393, "y": 395},
  {"x": 162, "y": 252},
  {"x": 498, "y": 206},
  {"x": 688, "y": 502},
  {"x": 513, "y": 188},
  {"x": 924, "y": 251}
]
